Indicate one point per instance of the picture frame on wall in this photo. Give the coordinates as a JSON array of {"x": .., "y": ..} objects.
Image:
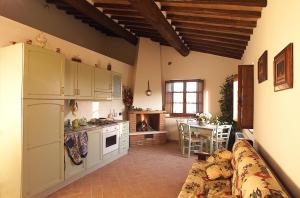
[
  {"x": 283, "y": 69},
  {"x": 262, "y": 70}
]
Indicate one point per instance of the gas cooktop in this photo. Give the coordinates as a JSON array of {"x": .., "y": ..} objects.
[{"x": 101, "y": 121}]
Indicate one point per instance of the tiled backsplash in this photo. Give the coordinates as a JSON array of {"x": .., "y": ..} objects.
[{"x": 95, "y": 109}]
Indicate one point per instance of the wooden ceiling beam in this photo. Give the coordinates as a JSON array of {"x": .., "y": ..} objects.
[
  {"x": 213, "y": 39},
  {"x": 154, "y": 16},
  {"x": 122, "y": 12},
  {"x": 250, "y": 3},
  {"x": 97, "y": 16},
  {"x": 213, "y": 12},
  {"x": 213, "y": 34},
  {"x": 142, "y": 25},
  {"x": 129, "y": 18},
  {"x": 142, "y": 29},
  {"x": 113, "y": 6},
  {"x": 242, "y": 31},
  {"x": 227, "y": 22}
]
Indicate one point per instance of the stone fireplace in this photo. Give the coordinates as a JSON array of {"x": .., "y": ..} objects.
[{"x": 147, "y": 128}]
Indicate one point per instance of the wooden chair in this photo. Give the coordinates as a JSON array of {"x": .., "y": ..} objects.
[
  {"x": 180, "y": 131},
  {"x": 190, "y": 142},
  {"x": 221, "y": 136}
]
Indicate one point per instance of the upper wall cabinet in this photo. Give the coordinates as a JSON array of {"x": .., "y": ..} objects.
[
  {"x": 103, "y": 84},
  {"x": 43, "y": 73},
  {"x": 116, "y": 86},
  {"x": 79, "y": 81}
]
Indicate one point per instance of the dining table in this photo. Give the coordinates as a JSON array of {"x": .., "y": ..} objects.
[{"x": 205, "y": 131}]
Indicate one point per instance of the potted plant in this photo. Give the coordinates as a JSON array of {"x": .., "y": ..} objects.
[{"x": 203, "y": 118}]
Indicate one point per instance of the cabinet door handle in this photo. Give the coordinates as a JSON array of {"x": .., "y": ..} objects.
[
  {"x": 62, "y": 90},
  {"x": 78, "y": 91}
]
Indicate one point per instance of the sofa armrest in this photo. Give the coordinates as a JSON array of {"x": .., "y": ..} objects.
[{"x": 202, "y": 155}]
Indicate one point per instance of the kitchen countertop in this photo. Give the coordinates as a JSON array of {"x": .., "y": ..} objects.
[{"x": 91, "y": 127}]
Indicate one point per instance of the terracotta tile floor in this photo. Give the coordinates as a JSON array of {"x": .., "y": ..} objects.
[{"x": 146, "y": 172}]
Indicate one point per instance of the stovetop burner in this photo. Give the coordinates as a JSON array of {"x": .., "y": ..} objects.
[{"x": 101, "y": 122}]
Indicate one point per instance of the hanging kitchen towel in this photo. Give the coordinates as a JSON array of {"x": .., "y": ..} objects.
[
  {"x": 83, "y": 144},
  {"x": 71, "y": 144}
]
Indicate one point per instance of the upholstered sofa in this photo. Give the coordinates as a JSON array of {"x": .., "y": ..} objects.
[{"x": 250, "y": 176}]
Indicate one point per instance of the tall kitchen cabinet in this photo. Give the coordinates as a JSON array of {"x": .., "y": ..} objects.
[
  {"x": 31, "y": 114},
  {"x": 79, "y": 80}
]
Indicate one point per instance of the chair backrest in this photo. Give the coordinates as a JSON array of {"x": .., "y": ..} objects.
[
  {"x": 222, "y": 132},
  {"x": 186, "y": 130}
]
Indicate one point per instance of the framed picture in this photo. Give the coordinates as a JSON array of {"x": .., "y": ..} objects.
[
  {"x": 263, "y": 67},
  {"x": 283, "y": 69}
]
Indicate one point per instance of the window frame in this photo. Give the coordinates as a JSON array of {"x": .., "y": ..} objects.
[{"x": 199, "y": 102}]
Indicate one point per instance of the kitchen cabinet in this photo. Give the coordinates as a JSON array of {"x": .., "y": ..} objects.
[
  {"x": 124, "y": 137},
  {"x": 103, "y": 84},
  {"x": 43, "y": 73},
  {"x": 79, "y": 80},
  {"x": 94, "y": 156},
  {"x": 71, "y": 169},
  {"x": 116, "y": 86},
  {"x": 43, "y": 145}
]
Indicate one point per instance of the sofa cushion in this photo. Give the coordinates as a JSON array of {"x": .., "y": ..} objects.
[
  {"x": 220, "y": 155},
  {"x": 251, "y": 177},
  {"x": 219, "y": 169},
  {"x": 256, "y": 186}
]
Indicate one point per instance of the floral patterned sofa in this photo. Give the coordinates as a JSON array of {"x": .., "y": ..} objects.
[{"x": 241, "y": 173}]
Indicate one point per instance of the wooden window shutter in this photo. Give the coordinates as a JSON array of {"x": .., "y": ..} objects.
[
  {"x": 200, "y": 95},
  {"x": 245, "y": 96},
  {"x": 169, "y": 97}
]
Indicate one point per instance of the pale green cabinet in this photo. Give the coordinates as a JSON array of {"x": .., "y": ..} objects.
[
  {"x": 94, "y": 156},
  {"x": 79, "y": 80},
  {"x": 43, "y": 73},
  {"x": 43, "y": 145},
  {"x": 103, "y": 84}
]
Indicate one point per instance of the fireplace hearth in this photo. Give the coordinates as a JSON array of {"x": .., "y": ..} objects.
[{"x": 147, "y": 128}]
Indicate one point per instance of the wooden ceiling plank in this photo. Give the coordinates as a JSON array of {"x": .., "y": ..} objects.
[
  {"x": 213, "y": 27},
  {"x": 250, "y": 3},
  {"x": 213, "y": 47},
  {"x": 229, "y": 22},
  {"x": 205, "y": 42},
  {"x": 213, "y": 39},
  {"x": 154, "y": 16},
  {"x": 96, "y": 15},
  {"x": 212, "y": 6},
  {"x": 213, "y": 12},
  {"x": 214, "y": 34},
  {"x": 212, "y": 51},
  {"x": 206, "y": 51}
]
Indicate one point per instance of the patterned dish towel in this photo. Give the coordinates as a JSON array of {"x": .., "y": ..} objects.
[{"x": 77, "y": 146}]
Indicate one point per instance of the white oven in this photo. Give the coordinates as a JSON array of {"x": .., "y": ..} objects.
[{"x": 110, "y": 139}]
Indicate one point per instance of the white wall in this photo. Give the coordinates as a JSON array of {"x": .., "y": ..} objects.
[
  {"x": 276, "y": 114},
  {"x": 212, "y": 69},
  {"x": 14, "y": 31},
  {"x": 148, "y": 67}
]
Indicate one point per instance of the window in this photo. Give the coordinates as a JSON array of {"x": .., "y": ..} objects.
[{"x": 184, "y": 97}]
